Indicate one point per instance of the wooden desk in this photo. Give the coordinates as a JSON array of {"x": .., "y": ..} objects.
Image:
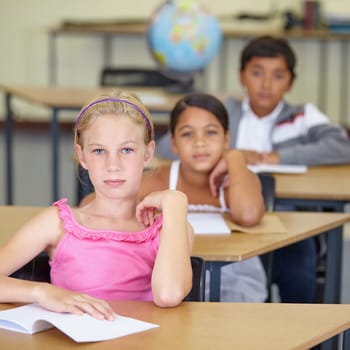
[
  {"x": 66, "y": 98},
  {"x": 198, "y": 326},
  {"x": 219, "y": 249},
  {"x": 325, "y": 186},
  {"x": 241, "y": 246}
]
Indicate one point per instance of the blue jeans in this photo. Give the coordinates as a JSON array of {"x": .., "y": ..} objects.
[{"x": 294, "y": 272}]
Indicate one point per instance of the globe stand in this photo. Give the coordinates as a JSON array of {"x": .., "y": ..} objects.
[
  {"x": 184, "y": 85},
  {"x": 181, "y": 88}
]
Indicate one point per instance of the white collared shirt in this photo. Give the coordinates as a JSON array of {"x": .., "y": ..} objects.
[{"x": 254, "y": 133}]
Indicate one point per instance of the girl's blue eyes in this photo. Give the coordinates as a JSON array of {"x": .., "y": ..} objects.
[
  {"x": 125, "y": 150},
  {"x": 98, "y": 151}
]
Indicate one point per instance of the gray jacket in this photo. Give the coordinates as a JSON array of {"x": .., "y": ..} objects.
[{"x": 318, "y": 144}]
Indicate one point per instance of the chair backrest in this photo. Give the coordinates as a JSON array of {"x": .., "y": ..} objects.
[
  {"x": 84, "y": 186},
  {"x": 268, "y": 185},
  {"x": 38, "y": 269},
  {"x": 197, "y": 292}
]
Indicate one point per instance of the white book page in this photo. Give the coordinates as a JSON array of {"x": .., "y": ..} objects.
[
  {"x": 24, "y": 319},
  {"x": 33, "y": 318},
  {"x": 278, "y": 168},
  {"x": 208, "y": 223}
]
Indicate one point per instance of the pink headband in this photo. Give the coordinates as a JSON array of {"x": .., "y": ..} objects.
[{"x": 145, "y": 117}]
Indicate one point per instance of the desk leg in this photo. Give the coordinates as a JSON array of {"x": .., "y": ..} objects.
[
  {"x": 214, "y": 268},
  {"x": 333, "y": 266},
  {"x": 333, "y": 276},
  {"x": 8, "y": 150},
  {"x": 346, "y": 340},
  {"x": 54, "y": 160},
  {"x": 331, "y": 344}
]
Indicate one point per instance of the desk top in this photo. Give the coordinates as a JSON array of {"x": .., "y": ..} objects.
[
  {"x": 101, "y": 28},
  {"x": 207, "y": 326},
  {"x": 241, "y": 246},
  {"x": 155, "y": 99},
  {"x": 319, "y": 183},
  {"x": 234, "y": 247},
  {"x": 230, "y": 29}
]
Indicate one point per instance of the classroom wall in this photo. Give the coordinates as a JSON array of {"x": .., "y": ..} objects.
[
  {"x": 24, "y": 35},
  {"x": 24, "y": 41},
  {"x": 24, "y": 38}
]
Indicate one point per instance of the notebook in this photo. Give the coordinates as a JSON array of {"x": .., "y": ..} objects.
[
  {"x": 278, "y": 168},
  {"x": 32, "y": 318},
  {"x": 208, "y": 223},
  {"x": 219, "y": 224}
]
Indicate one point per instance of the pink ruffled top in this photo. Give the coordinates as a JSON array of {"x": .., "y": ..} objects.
[{"x": 109, "y": 265}]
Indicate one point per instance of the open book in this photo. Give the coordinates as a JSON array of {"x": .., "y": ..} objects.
[
  {"x": 278, "y": 168},
  {"x": 270, "y": 223},
  {"x": 208, "y": 223},
  {"x": 216, "y": 223},
  {"x": 33, "y": 318}
]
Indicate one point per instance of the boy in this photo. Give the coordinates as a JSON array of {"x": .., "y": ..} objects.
[{"x": 269, "y": 130}]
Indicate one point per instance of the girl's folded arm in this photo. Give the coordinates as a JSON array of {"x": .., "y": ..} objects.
[
  {"x": 245, "y": 195},
  {"x": 172, "y": 273}
]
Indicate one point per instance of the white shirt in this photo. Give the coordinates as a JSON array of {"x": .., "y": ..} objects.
[
  {"x": 173, "y": 178},
  {"x": 254, "y": 133}
]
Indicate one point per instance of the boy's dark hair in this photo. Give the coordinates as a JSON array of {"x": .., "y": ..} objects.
[
  {"x": 203, "y": 101},
  {"x": 269, "y": 46}
]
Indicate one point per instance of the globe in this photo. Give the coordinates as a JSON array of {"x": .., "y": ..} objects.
[{"x": 183, "y": 37}]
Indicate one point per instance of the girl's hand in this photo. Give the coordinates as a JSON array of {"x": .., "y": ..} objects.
[
  {"x": 252, "y": 157},
  {"x": 218, "y": 176},
  {"x": 60, "y": 300},
  {"x": 271, "y": 158},
  {"x": 147, "y": 208},
  {"x": 155, "y": 201}
]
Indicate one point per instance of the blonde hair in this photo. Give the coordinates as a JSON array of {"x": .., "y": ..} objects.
[{"x": 115, "y": 102}]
